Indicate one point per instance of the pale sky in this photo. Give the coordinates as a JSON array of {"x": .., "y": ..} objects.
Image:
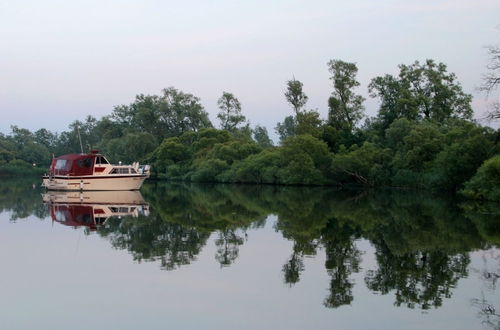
[{"x": 63, "y": 60}]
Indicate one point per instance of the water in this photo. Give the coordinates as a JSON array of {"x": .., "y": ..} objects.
[{"x": 246, "y": 257}]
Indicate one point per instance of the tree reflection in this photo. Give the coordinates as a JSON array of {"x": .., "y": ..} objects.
[
  {"x": 421, "y": 242},
  {"x": 343, "y": 259},
  {"x": 293, "y": 268},
  {"x": 489, "y": 274},
  {"x": 227, "y": 243},
  {"x": 21, "y": 197},
  {"x": 151, "y": 239},
  {"x": 420, "y": 279}
]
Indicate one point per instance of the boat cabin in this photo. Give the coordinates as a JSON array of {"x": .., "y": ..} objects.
[
  {"x": 88, "y": 164},
  {"x": 77, "y": 164}
]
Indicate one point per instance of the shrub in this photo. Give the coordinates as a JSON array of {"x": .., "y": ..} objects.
[{"x": 485, "y": 184}]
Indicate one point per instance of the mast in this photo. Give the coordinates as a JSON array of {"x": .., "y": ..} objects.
[{"x": 79, "y": 137}]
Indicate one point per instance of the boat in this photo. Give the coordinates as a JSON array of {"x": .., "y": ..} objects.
[
  {"x": 92, "y": 209},
  {"x": 92, "y": 171}
]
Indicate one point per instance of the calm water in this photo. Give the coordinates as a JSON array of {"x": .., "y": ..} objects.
[{"x": 246, "y": 257}]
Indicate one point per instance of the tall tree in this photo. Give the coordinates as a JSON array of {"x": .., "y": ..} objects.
[
  {"x": 345, "y": 107},
  {"x": 295, "y": 95},
  {"x": 421, "y": 91},
  {"x": 298, "y": 99},
  {"x": 230, "y": 115}
]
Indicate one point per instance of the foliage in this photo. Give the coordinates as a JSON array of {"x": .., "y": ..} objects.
[
  {"x": 345, "y": 107},
  {"x": 129, "y": 148},
  {"x": 287, "y": 128},
  {"x": 257, "y": 168},
  {"x": 365, "y": 165},
  {"x": 423, "y": 137},
  {"x": 295, "y": 96},
  {"x": 308, "y": 122},
  {"x": 421, "y": 91},
  {"x": 305, "y": 159},
  {"x": 485, "y": 184},
  {"x": 169, "y": 114},
  {"x": 261, "y": 136},
  {"x": 230, "y": 115}
]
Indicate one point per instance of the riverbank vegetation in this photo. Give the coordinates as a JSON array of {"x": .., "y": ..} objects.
[{"x": 422, "y": 137}]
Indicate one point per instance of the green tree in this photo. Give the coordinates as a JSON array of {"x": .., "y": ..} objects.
[
  {"x": 366, "y": 165},
  {"x": 46, "y": 138},
  {"x": 485, "y": 184},
  {"x": 421, "y": 91},
  {"x": 230, "y": 115},
  {"x": 169, "y": 114},
  {"x": 130, "y": 147},
  {"x": 287, "y": 128},
  {"x": 295, "y": 95},
  {"x": 345, "y": 107},
  {"x": 300, "y": 123},
  {"x": 305, "y": 159},
  {"x": 261, "y": 136},
  {"x": 308, "y": 122}
]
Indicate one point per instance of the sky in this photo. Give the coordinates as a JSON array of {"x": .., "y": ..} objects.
[{"x": 63, "y": 60}]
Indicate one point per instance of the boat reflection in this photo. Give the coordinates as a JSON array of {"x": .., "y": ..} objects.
[{"x": 92, "y": 208}]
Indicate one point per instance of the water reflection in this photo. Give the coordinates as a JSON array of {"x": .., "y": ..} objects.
[
  {"x": 422, "y": 243},
  {"x": 92, "y": 208}
]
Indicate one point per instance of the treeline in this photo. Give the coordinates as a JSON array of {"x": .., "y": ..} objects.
[{"x": 422, "y": 137}]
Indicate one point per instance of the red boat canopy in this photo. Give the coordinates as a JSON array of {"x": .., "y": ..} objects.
[{"x": 73, "y": 164}]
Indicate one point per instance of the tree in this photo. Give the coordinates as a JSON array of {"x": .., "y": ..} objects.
[
  {"x": 295, "y": 96},
  {"x": 46, "y": 138},
  {"x": 86, "y": 130},
  {"x": 421, "y": 91},
  {"x": 261, "y": 136},
  {"x": 230, "y": 115},
  {"x": 345, "y": 107},
  {"x": 287, "y": 128},
  {"x": 130, "y": 147},
  {"x": 166, "y": 115},
  {"x": 308, "y": 122}
]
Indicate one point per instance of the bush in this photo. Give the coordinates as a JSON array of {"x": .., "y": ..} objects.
[
  {"x": 366, "y": 165},
  {"x": 485, "y": 184},
  {"x": 305, "y": 160},
  {"x": 208, "y": 170},
  {"x": 258, "y": 168}
]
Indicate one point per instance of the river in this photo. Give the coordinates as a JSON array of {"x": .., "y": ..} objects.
[{"x": 191, "y": 256}]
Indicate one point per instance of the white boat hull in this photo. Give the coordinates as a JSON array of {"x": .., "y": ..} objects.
[{"x": 129, "y": 182}]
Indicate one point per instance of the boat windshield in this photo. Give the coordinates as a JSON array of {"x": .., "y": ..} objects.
[
  {"x": 101, "y": 160},
  {"x": 61, "y": 164}
]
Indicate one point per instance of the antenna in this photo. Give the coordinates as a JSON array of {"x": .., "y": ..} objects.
[{"x": 79, "y": 137}]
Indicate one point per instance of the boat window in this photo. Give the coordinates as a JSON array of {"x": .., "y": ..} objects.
[
  {"x": 119, "y": 171},
  {"x": 119, "y": 209},
  {"x": 60, "y": 164},
  {"x": 85, "y": 162},
  {"x": 102, "y": 160}
]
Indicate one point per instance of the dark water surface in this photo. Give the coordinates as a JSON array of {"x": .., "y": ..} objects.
[{"x": 246, "y": 257}]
